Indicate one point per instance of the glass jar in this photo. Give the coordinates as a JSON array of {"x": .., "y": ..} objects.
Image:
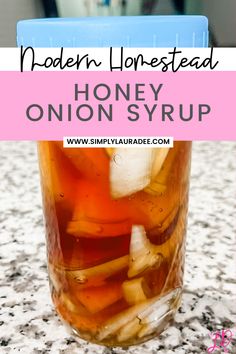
[{"x": 115, "y": 217}]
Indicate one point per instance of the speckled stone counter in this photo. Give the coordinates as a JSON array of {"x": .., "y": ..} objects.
[{"x": 28, "y": 323}]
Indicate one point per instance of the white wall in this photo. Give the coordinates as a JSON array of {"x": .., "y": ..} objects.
[
  {"x": 222, "y": 15},
  {"x": 12, "y": 11}
]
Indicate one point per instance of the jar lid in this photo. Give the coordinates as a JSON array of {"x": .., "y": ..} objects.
[{"x": 123, "y": 31}]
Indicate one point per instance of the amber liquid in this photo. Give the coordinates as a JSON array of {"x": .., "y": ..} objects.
[{"x": 89, "y": 236}]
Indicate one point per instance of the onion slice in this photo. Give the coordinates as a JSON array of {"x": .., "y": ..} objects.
[
  {"x": 158, "y": 314},
  {"x": 89, "y": 276},
  {"x": 92, "y": 228},
  {"x": 153, "y": 325},
  {"x": 118, "y": 321},
  {"x": 134, "y": 314},
  {"x": 143, "y": 254},
  {"x": 160, "y": 175},
  {"x": 130, "y": 170},
  {"x": 142, "y": 325},
  {"x": 160, "y": 156},
  {"x": 130, "y": 330},
  {"x": 135, "y": 290}
]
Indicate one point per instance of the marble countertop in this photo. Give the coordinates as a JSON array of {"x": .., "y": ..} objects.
[{"x": 28, "y": 323}]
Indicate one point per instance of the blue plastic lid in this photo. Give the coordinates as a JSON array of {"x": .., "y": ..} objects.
[{"x": 125, "y": 31}]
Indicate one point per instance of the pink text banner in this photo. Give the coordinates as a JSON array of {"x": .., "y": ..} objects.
[{"x": 52, "y": 105}]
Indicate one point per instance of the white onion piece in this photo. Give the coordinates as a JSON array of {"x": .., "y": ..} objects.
[
  {"x": 130, "y": 330},
  {"x": 160, "y": 156},
  {"x": 134, "y": 313},
  {"x": 100, "y": 272},
  {"x": 133, "y": 291},
  {"x": 143, "y": 254},
  {"x": 159, "y": 180},
  {"x": 153, "y": 325},
  {"x": 148, "y": 320},
  {"x": 130, "y": 170},
  {"x": 156, "y": 314},
  {"x": 80, "y": 227},
  {"x": 122, "y": 318},
  {"x": 166, "y": 299},
  {"x": 155, "y": 188}
]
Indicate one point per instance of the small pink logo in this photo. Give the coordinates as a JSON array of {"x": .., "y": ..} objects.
[{"x": 221, "y": 340}]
